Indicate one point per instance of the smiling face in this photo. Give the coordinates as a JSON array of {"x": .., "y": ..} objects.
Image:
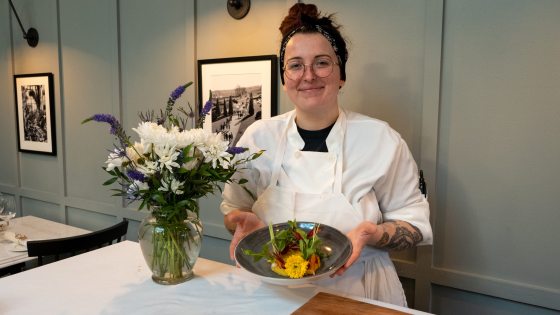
[{"x": 310, "y": 93}]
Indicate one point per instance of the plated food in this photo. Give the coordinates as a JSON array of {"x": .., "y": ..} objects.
[{"x": 293, "y": 253}]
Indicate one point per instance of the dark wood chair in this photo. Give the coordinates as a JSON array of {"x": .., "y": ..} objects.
[
  {"x": 61, "y": 248},
  {"x": 422, "y": 184},
  {"x": 10, "y": 270}
]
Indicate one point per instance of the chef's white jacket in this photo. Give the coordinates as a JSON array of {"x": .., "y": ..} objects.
[{"x": 379, "y": 179}]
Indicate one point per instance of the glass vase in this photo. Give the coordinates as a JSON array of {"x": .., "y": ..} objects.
[{"x": 170, "y": 248}]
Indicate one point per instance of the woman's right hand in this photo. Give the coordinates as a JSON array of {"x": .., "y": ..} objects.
[{"x": 244, "y": 223}]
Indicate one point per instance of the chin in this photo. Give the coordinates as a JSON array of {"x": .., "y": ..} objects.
[
  {"x": 312, "y": 107},
  {"x": 311, "y": 100}
]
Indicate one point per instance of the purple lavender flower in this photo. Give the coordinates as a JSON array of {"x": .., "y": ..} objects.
[
  {"x": 236, "y": 150},
  {"x": 116, "y": 127},
  {"x": 110, "y": 119},
  {"x": 178, "y": 92},
  {"x": 206, "y": 109},
  {"x": 135, "y": 175}
]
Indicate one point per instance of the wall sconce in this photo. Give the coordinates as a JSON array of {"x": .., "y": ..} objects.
[
  {"x": 238, "y": 8},
  {"x": 32, "y": 36}
]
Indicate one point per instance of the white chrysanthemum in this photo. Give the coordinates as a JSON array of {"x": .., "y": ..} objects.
[
  {"x": 149, "y": 132},
  {"x": 115, "y": 159},
  {"x": 166, "y": 138},
  {"x": 167, "y": 155},
  {"x": 183, "y": 138},
  {"x": 174, "y": 186},
  {"x": 199, "y": 136},
  {"x": 134, "y": 152},
  {"x": 214, "y": 150},
  {"x": 148, "y": 167}
]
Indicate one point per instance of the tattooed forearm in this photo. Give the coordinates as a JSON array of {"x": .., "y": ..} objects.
[{"x": 398, "y": 235}]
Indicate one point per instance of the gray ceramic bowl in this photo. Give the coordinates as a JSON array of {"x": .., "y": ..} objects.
[{"x": 334, "y": 242}]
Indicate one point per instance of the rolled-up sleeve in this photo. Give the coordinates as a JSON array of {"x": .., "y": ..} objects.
[{"x": 399, "y": 196}]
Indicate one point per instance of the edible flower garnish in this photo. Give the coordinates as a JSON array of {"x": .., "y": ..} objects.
[{"x": 292, "y": 252}]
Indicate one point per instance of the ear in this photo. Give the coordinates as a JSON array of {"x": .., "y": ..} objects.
[{"x": 341, "y": 84}]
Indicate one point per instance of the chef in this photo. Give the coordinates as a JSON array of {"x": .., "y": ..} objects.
[{"x": 323, "y": 163}]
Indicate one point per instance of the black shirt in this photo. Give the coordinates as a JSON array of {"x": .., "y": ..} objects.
[{"x": 315, "y": 140}]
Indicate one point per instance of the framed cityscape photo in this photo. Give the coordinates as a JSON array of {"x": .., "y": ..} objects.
[
  {"x": 242, "y": 90},
  {"x": 34, "y": 95}
]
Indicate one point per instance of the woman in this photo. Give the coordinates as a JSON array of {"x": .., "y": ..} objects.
[{"x": 326, "y": 164}]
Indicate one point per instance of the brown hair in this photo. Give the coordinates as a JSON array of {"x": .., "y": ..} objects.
[{"x": 306, "y": 18}]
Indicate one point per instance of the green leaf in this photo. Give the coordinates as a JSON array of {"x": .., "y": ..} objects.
[
  {"x": 158, "y": 198},
  {"x": 110, "y": 181}
]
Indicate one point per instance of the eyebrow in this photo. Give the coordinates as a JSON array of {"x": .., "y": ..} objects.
[{"x": 318, "y": 56}]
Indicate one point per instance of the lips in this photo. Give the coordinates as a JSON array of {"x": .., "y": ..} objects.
[{"x": 310, "y": 89}]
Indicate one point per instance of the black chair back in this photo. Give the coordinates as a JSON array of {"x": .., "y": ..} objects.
[
  {"x": 422, "y": 184},
  {"x": 65, "y": 247}
]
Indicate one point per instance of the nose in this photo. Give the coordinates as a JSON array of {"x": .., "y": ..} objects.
[{"x": 308, "y": 73}]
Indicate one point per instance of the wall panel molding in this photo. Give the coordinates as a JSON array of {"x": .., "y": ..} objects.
[{"x": 505, "y": 289}]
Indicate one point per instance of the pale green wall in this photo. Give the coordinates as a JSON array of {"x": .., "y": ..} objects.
[{"x": 472, "y": 85}]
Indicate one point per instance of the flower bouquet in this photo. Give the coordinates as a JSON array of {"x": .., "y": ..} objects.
[{"x": 172, "y": 166}]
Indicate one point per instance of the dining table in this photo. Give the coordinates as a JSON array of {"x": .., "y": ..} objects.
[
  {"x": 116, "y": 280},
  {"x": 32, "y": 228}
]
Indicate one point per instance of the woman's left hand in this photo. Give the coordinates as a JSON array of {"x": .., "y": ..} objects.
[{"x": 365, "y": 233}]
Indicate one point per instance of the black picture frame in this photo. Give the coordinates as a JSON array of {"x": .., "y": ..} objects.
[
  {"x": 243, "y": 89},
  {"x": 36, "y": 129}
]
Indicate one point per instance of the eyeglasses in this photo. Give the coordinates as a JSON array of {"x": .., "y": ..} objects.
[{"x": 322, "y": 67}]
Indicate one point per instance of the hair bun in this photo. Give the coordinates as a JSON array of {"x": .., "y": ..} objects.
[
  {"x": 299, "y": 14},
  {"x": 309, "y": 10}
]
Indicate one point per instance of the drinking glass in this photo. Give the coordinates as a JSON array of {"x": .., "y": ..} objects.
[{"x": 6, "y": 213}]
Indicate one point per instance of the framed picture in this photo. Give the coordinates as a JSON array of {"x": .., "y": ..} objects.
[
  {"x": 242, "y": 90},
  {"x": 34, "y": 94}
]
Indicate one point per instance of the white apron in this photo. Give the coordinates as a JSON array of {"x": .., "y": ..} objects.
[{"x": 373, "y": 274}]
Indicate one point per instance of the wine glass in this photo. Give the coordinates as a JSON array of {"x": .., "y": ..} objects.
[{"x": 6, "y": 205}]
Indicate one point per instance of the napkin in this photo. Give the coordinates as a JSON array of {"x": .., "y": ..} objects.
[{"x": 18, "y": 239}]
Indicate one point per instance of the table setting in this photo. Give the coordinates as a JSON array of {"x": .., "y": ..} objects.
[
  {"x": 19, "y": 230},
  {"x": 10, "y": 241},
  {"x": 18, "y": 241}
]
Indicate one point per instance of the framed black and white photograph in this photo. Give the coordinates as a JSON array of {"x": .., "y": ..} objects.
[
  {"x": 242, "y": 90},
  {"x": 34, "y": 95}
]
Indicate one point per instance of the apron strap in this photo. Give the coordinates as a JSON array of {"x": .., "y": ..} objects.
[
  {"x": 340, "y": 154},
  {"x": 279, "y": 156}
]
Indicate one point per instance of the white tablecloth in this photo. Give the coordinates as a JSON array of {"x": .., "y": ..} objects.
[{"x": 116, "y": 280}]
